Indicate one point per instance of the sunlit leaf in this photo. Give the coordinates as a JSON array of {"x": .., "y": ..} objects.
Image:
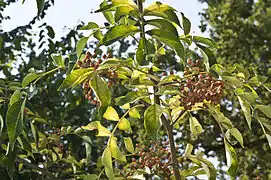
[
  {"x": 111, "y": 114},
  {"x": 195, "y": 126},
  {"x": 81, "y": 45},
  {"x": 237, "y": 135},
  {"x": 247, "y": 111},
  {"x": 107, "y": 162},
  {"x": 231, "y": 158},
  {"x": 115, "y": 151},
  {"x": 265, "y": 109},
  {"x": 162, "y": 10},
  {"x": 134, "y": 113},
  {"x": 129, "y": 144},
  {"x": 107, "y": 14},
  {"x": 118, "y": 32},
  {"x": 233, "y": 81},
  {"x": 124, "y": 125},
  {"x": 58, "y": 60}
]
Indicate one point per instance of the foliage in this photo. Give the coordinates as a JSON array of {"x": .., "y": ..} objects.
[{"x": 125, "y": 95}]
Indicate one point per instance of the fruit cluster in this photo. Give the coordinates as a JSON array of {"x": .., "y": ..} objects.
[
  {"x": 199, "y": 87},
  {"x": 156, "y": 157},
  {"x": 94, "y": 61}
]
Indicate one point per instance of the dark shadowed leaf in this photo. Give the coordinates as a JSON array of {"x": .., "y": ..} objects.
[
  {"x": 186, "y": 24},
  {"x": 152, "y": 119}
]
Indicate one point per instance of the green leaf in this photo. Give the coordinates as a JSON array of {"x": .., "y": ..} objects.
[
  {"x": 130, "y": 97},
  {"x": 231, "y": 158},
  {"x": 233, "y": 80},
  {"x": 163, "y": 11},
  {"x": 208, "y": 56},
  {"x": 110, "y": 63},
  {"x": 1, "y": 125},
  {"x": 107, "y": 14},
  {"x": 134, "y": 113},
  {"x": 51, "y": 32},
  {"x": 58, "y": 60},
  {"x": 195, "y": 126},
  {"x": 101, "y": 90},
  {"x": 88, "y": 147},
  {"x": 29, "y": 78},
  {"x": 81, "y": 45},
  {"x": 169, "y": 39},
  {"x": 141, "y": 52},
  {"x": 75, "y": 78},
  {"x": 115, "y": 151},
  {"x": 16, "y": 96},
  {"x": 90, "y": 177},
  {"x": 204, "y": 40},
  {"x": 188, "y": 149},
  {"x": 124, "y": 125},
  {"x": 246, "y": 109},
  {"x": 89, "y": 26},
  {"x": 111, "y": 114},
  {"x": 268, "y": 137},
  {"x": 265, "y": 109},
  {"x": 118, "y": 32},
  {"x": 208, "y": 168},
  {"x": 9, "y": 161},
  {"x": 34, "y": 132},
  {"x": 237, "y": 135},
  {"x": 186, "y": 24},
  {"x": 152, "y": 119},
  {"x": 102, "y": 131},
  {"x": 163, "y": 24},
  {"x": 14, "y": 121},
  {"x": 107, "y": 162},
  {"x": 40, "y": 6},
  {"x": 129, "y": 144}
]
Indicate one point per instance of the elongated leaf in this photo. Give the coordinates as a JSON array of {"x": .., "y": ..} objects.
[
  {"x": 188, "y": 149},
  {"x": 75, "y": 78},
  {"x": 90, "y": 177},
  {"x": 81, "y": 45},
  {"x": 204, "y": 40},
  {"x": 124, "y": 125},
  {"x": 29, "y": 78},
  {"x": 186, "y": 25},
  {"x": 115, "y": 151},
  {"x": 101, "y": 90},
  {"x": 34, "y": 132},
  {"x": 88, "y": 147},
  {"x": 231, "y": 157},
  {"x": 195, "y": 126},
  {"x": 111, "y": 114},
  {"x": 265, "y": 109},
  {"x": 107, "y": 14},
  {"x": 208, "y": 56},
  {"x": 1, "y": 125},
  {"x": 58, "y": 60},
  {"x": 169, "y": 39},
  {"x": 268, "y": 137},
  {"x": 16, "y": 96},
  {"x": 162, "y": 10},
  {"x": 118, "y": 32},
  {"x": 152, "y": 119},
  {"x": 89, "y": 26},
  {"x": 14, "y": 121},
  {"x": 107, "y": 162},
  {"x": 129, "y": 145},
  {"x": 130, "y": 97},
  {"x": 163, "y": 24},
  {"x": 40, "y": 6},
  {"x": 234, "y": 81},
  {"x": 237, "y": 135},
  {"x": 102, "y": 131},
  {"x": 246, "y": 109},
  {"x": 9, "y": 161},
  {"x": 142, "y": 51}
]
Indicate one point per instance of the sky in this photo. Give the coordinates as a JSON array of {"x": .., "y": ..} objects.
[{"x": 65, "y": 14}]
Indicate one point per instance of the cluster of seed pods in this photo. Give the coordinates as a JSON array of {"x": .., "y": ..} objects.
[
  {"x": 94, "y": 61},
  {"x": 156, "y": 157}
]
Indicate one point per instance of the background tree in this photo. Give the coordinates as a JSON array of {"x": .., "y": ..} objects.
[{"x": 241, "y": 30}]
